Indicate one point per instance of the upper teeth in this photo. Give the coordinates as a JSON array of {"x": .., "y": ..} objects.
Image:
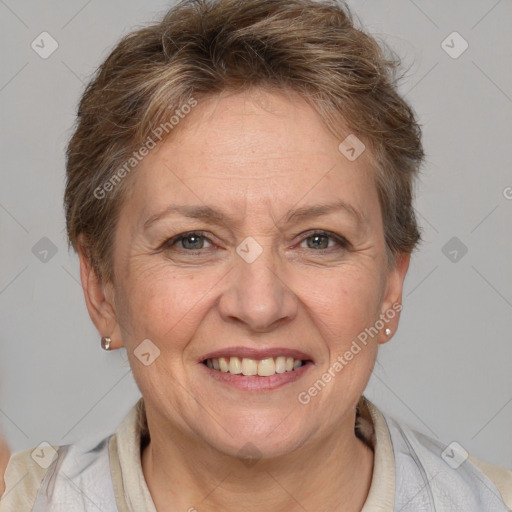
[{"x": 263, "y": 368}]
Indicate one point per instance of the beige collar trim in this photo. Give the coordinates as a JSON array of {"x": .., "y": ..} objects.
[
  {"x": 381, "y": 497},
  {"x": 136, "y": 493}
]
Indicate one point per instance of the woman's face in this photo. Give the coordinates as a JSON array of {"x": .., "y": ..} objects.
[{"x": 291, "y": 264}]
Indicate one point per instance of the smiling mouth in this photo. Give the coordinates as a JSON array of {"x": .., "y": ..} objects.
[{"x": 251, "y": 367}]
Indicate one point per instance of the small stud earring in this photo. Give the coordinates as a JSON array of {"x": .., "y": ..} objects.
[
  {"x": 105, "y": 343},
  {"x": 387, "y": 331}
]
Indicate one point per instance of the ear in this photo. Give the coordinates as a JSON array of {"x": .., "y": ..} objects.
[
  {"x": 99, "y": 298},
  {"x": 392, "y": 302}
]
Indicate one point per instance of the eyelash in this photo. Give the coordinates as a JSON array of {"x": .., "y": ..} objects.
[{"x": 343, "y": 243}]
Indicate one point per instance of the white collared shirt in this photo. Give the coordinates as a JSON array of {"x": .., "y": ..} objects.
[{"x": 408, "y": 474}]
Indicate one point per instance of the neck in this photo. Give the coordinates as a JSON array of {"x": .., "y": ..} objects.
[{"x": 183, "y": 474}]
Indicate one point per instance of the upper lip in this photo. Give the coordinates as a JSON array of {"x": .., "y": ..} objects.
[{"x": 256, "y": 353}]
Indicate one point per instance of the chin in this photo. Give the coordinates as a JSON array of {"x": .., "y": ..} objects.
[{"x": 269, "y": 438}]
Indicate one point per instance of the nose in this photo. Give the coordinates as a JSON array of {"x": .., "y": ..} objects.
[{"x": 258, "y": 295}]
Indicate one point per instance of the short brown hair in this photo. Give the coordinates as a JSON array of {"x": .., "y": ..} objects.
[{"x": 201, "y": 48}]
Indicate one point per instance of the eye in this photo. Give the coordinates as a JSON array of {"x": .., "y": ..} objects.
[
  {"x": 319, "y": 240},
  {"x": 191, "y": 241}
]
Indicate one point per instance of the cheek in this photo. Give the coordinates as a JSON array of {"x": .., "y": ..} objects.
[
  {"x": 345, "y": 299},
  {"x": 161, "y": 304},
  {"x": 158, "y": 305}
]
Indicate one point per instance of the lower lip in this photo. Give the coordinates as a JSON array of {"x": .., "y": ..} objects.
[{"x": 255, "y": 382}]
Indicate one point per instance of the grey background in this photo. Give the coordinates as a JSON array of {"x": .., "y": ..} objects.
[{"x": 447, "y": 370}]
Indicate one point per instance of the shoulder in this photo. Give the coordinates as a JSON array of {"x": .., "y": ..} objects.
[
  {"x": 22, "y": 479},
  {"x": 500, "y": 476},
  {"x": 433, "y": 474},
  {"x": 40, "y": 478}
]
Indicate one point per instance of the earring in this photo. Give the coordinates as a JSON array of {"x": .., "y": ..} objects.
[
  {"x": 105, "y": 343},
  {"x": 387, "y": 331}
]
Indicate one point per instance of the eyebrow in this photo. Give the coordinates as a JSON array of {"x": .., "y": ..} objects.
[{"x": 212, "y": 216}]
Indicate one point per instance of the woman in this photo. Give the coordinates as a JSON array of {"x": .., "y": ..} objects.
[{"x": 239, "y": 193}]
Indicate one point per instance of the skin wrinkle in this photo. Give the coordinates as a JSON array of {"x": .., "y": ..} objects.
[{"x": 189, "y": 305}]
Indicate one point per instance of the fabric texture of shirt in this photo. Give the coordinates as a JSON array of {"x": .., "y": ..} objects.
[{"x": 411, "y": 473}]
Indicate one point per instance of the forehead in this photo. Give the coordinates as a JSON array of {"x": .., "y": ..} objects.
[{"x": 252, "y": 150}]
